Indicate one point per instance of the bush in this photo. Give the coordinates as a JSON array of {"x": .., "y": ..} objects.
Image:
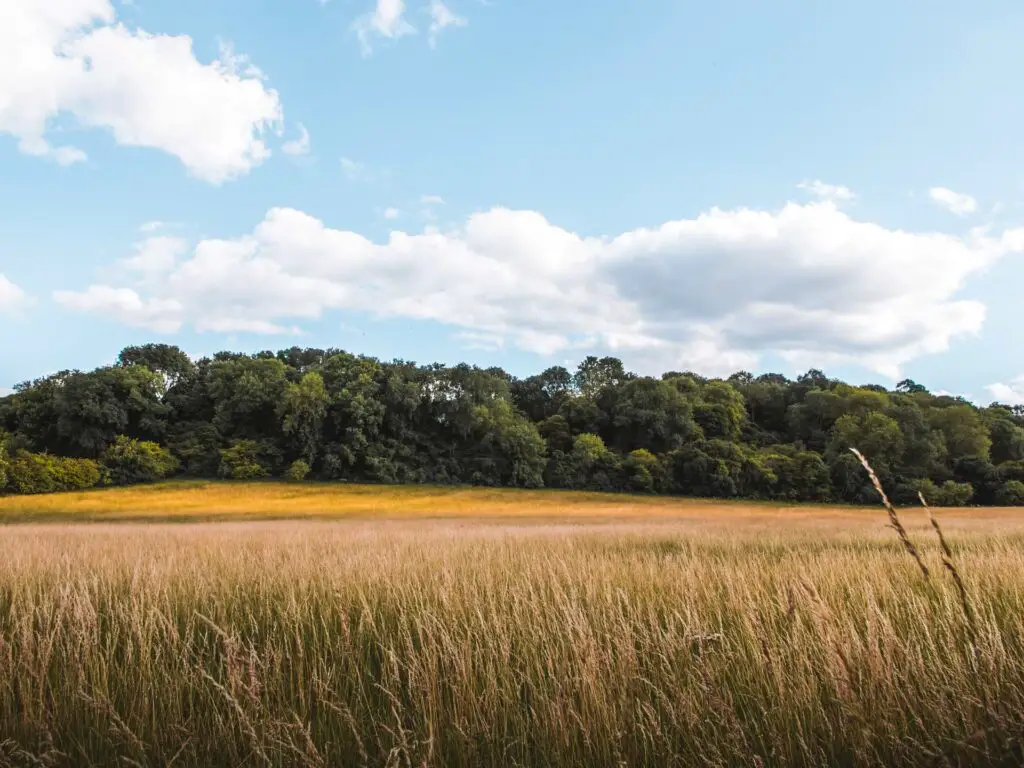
[
  {"x": 1010, "y": 494},
  {"x": 297, "y": 471},
  {"x": 130, "y": 461},
  {"x": 43, "y": 473},
  {"x": 244, "y": 460},
  {"x": 949, "y": 494},
  {"x": 197, "y": 446},
  {"x": 641, "y": 470}
]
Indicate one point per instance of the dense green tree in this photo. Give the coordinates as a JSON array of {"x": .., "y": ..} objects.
[
  {"x": 963, "y": 429},
  {"x": 127, "y": 461},
  {"x": 540, "y": 397},
  {"x": 73, "y": 413},
  {"x": 338, "y": 416},
  {"x": 507, "y": 449},
  {"x": 595, "y": 374},
  {"x": 303, "y": 409},
  {"x": 649, "y": 414},
  {"x": 169, "y": 361},
  {"x": 874, "y": 434},
  {"x": 1006, "y": 436},
  {"x": 246, "y": 393}
]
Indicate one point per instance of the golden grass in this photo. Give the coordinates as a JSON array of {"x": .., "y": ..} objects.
[
  {"x": 546, "y": 629},
  {"x": 203, "y": 501}
]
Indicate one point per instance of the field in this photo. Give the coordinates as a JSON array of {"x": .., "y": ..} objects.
[{"x": 356, "y": 626}]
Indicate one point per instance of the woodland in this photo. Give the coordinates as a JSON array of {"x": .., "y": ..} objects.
[{"x": 327, "y": 415}]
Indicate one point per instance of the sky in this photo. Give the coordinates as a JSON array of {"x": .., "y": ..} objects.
[{"x": 765, "y": 185}]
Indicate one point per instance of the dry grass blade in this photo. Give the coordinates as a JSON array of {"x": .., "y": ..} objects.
[
  {"x": 947, "y": 562},
  {"x": 894, "y": 519}
]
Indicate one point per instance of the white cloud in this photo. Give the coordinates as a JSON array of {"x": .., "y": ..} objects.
[
  {"x": 73, "y": 57},
  {"x": 1011, "y": 393},
  {"x": 442, "y": 17},
  {"x": 835, "y": 193},
  {"x": 126, "y": 306},
  {"x": 392, "y": 213},
  {"x": 299, "y": 146},
  {"x": 12, "y": 298},
  {"x": 713, "y": 293},
  {"x": 155, "y": 256},
  {"x": 151, "y": 226},
  {"x": 431, "y": 200},
  {"x": 954, "y": 202},
  {"x": 386, "y": 20}
]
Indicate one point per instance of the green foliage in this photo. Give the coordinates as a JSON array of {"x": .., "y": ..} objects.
[
  {"x": 170, "y": 362},
  {"x": 359, "y": 419},
  {"x": 1010, "y": 494},
  {"x": 297, "y": 471},
  {"x": 43, "y": 473},
  {"x": 1007, "y": 437},
  {"x": 509, "y": 449},
  {"x": 948, "y": 494},
  {"x": 651, "y": 415},
  {"x": 196, "y": 445},
  {"x": 129, "y": 461},
  {"x": 641, "y": 471},
  {"x": 244, "y": 460},
  {"x": 303, "y": 410},
  {"x": 4, "y": 458},
  {"x": 873, "y": 433},
  {"x": 963, "y": 430}
]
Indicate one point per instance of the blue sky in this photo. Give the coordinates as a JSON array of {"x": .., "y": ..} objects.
[{"x": 710, "y": 186}]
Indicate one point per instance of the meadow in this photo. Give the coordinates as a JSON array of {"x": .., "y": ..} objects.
[{"x": 369, "y": 626}]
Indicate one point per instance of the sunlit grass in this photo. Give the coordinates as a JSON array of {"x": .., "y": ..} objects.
[
  {"x": 201, "y": 500},
  {"x": 594, "y": 631}
]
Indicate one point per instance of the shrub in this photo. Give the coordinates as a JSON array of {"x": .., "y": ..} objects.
[
  {"x": 197, "y": 446},
  {"x": 640, "y": 469},
  {"x": 43, "y": 473},
  {"x": 130, "y": 461},
  {"x": 1010, "y": 494},
  {"x": 297, "y": 471},
  {"x": 949, "y": 494},
  {"x": 243, "y": 461}
]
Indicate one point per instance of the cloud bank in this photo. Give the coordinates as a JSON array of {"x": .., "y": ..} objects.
[{"x": 711, "y": 293}]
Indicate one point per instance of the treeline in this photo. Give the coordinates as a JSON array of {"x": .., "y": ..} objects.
[{"x": 333, "y": 416}]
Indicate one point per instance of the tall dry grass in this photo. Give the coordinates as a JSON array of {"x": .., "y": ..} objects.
[
  {"x": 184, "y": 500},
  {"x": 683, "y": 643}
]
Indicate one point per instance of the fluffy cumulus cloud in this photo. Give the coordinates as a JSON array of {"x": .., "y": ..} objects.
[
  {"x": 710, "y": 293},
  {"x": 1011, "y": 393},
  {"x": 155, "y": 256},
  {"x": 954, "y": 202},
  {"x": 73, "y": 57}
]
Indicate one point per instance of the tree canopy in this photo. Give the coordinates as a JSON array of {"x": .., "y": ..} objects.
[{"x": 331, "y": 415}]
